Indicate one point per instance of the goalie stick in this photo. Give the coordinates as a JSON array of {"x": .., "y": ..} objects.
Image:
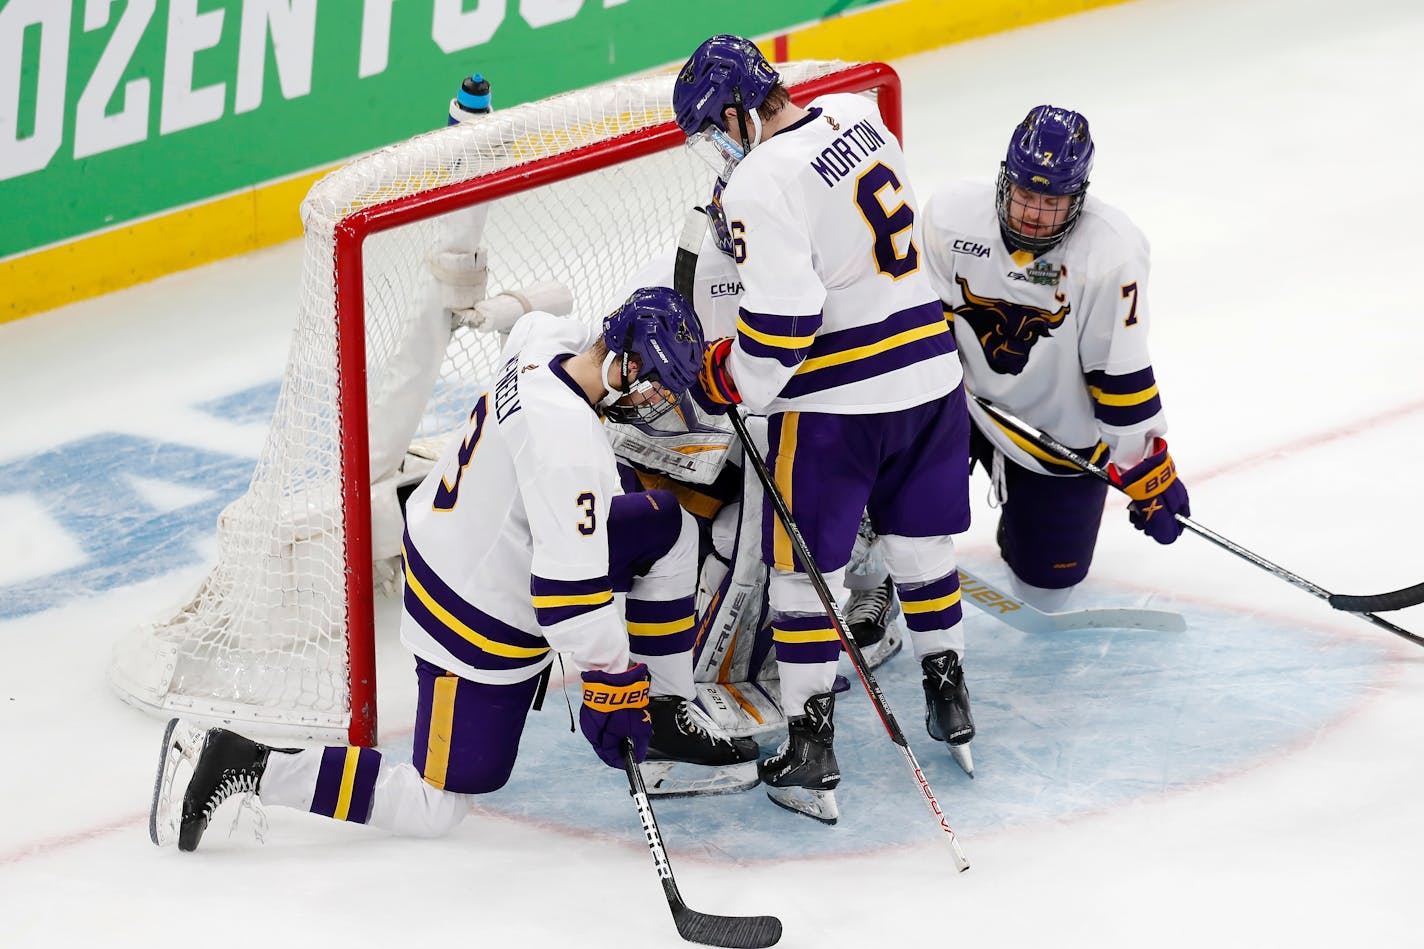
[
  {"x": 734, "y": 932},
  {"x": 684, "y": 270},
  {"x": 1025, "y": 617},
  {"x": 1052, "y": 445}
]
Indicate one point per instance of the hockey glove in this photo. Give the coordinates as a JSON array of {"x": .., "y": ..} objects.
[
  {"x": 1157, "y": 494},
  {"x": 718, "y": 389},
  {"x": 615, "y": 707}
]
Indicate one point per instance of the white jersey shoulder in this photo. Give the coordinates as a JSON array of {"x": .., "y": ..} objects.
[
  {"x": 837, "y": 314},
  {"x": 1059, "y": 340},
  {"x": 517, "y": 502}
]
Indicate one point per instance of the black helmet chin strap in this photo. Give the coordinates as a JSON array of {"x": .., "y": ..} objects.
[{"x": 741, "y": 119}]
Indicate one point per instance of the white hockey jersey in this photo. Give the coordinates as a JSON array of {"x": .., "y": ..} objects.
[
  {"x": 506, "y": 546},
  {"x": 838, "y": 314},
  {"x": 716, "y": 286},
  {"x": 1061, "y": 340}
]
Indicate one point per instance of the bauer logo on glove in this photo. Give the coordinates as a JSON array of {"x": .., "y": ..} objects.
[{"x": 615, "y": 707}]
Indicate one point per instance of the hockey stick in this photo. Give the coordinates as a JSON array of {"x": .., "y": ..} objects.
[
  {"x": 734, "y": 932},
  {"x": 1027, "y": 618},
  {"x": 689, "y": 244},
  {"x": 1050, "y": 444},
  {"x": 1398, "y": 600},
  {"x": 833, "y": 610}
]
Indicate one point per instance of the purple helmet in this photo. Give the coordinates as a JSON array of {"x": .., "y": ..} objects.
[
  {"x": 656, "y": 326},
  {"x": 725, "y": 70},
  {"x": 1050, "y": 152}
]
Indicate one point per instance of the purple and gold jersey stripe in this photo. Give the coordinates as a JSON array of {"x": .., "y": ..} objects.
[
  {"x": 558, "y": 600},
  {"x": 466, "y": 632},
  {"x": 1125, "y": 400},
  {"x": 932, "y": 606},
  {"x": 805, "y": 639},
  {"x": 345, "y": 783},
  {"x": 864, "y": 352},
  {"x": 661, "y": 627},
  {"x": 783, "y": 460},
  {"x": 783, "y": 338},
  {"x": 1098, "y": 454}
]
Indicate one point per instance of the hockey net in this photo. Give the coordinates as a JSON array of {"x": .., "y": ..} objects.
[{"x": 582, "y": 189}]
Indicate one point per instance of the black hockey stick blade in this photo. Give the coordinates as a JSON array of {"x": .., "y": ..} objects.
[
  {"x": 1379, "y": 602},
  {"x": 734, "y": 932}
]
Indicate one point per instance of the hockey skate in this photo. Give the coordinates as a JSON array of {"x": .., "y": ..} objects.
[
  {"x": 690, "y": 754},
  {"x": 803, "y": 773},
  {"x": 868, "y": 614},
  {"x": 947, "y": 715},
  {"x": 219, "y": 764}
]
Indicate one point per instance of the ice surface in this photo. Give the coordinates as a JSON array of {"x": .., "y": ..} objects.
[{"x": 1251, "y": 782}]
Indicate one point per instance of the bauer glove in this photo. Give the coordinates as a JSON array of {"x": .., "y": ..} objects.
[
  {"x": 615, "y": 707},
  {"x": 715, "y": 380},
  {"x": 1158, "y": 496}
]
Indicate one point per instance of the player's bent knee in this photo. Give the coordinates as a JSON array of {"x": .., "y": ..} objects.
[{"x": 442, "y": 812}]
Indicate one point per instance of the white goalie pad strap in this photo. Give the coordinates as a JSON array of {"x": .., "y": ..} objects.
[
  {"x": 499, "y": 313},
  {"x": 462, "y": 276}
]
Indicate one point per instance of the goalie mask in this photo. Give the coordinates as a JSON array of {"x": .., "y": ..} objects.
[
  {"x": 1044, "y": 178},
  {"x": 657, "y": 328},
  {"x": 724, "y": 71}
]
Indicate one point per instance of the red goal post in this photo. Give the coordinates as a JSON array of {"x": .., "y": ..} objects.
[{"x": 581, "y": 188}]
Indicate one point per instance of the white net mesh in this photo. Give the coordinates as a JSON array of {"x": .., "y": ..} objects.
[{"x": 265, "y": 640}]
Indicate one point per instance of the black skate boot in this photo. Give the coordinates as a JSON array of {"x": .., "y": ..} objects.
[
  {"x": 223, "y": 764},
  {"x": 803, "y": 773},
  {"x": 690, "y": 754},
  {"x": 947, "y": 715},
  {"x": 868, "y": 614}
]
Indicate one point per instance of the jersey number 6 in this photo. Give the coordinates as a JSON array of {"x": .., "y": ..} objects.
[{"x": 887, "y": 224}]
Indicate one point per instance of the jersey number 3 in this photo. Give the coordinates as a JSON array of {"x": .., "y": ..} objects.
[
  {"x": 887, "y": 223},
  {"x": 446, "y": 493}
]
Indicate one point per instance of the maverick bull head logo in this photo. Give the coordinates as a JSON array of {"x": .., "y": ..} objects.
[{"x": 1006, "y": 330}]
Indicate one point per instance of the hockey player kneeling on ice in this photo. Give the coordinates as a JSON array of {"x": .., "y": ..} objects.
[{"x": 515, "y": 546}]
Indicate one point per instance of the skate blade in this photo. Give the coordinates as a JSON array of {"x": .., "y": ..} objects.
[
  {"x": 963, "y": 757},
  {"x": 683, "y": 779},
  {"x": 182, "y": 744},
  {"x": 817, "y": 805},
  {"x": 882, "y": 652}
]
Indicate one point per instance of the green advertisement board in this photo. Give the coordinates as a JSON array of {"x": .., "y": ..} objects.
[{"x": 115, "y": 110}]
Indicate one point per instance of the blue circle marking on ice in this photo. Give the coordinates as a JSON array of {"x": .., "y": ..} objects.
[{"x": 1069, "y": 724}]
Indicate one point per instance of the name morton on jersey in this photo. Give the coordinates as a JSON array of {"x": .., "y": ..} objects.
[{"x": 837, "y": 159}]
